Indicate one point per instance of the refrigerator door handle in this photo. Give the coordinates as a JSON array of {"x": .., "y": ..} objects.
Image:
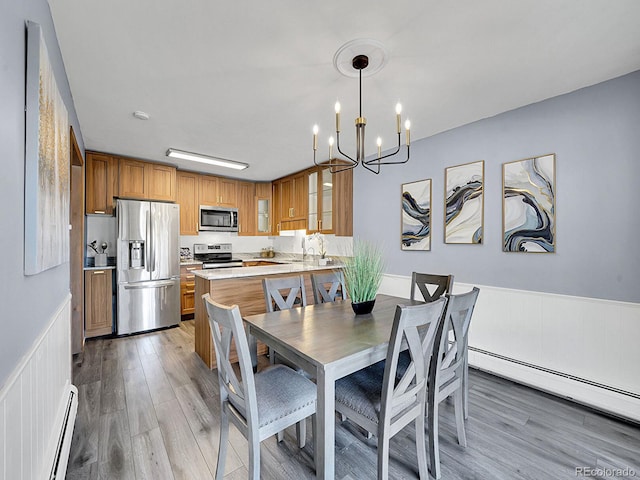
[
  {"x": 147, "y": 253},
  {"x": 152, "y": 240},
  {"x": 149, "y": 285}
]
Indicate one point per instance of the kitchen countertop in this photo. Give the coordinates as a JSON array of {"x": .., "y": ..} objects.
[
  {"x": 236, "y": 272},
  {"x": 190, "y": 262}
]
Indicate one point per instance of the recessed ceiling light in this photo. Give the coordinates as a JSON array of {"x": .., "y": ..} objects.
[
  {"x": 140, "y": 115},
  {"x": 197, "y": 157}
]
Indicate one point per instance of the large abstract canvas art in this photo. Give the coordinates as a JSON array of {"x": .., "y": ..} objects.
[
  {"x": 464, "y": 203},
  {"x": 47, "y": 192},
  {"x": 529, "y": 205},
  {"x": 416, "y": 215}
]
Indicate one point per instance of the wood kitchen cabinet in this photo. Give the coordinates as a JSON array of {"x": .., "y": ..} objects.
[
  {"x": 218, "y": 191},
  {"x": 187, "y": 289},
  {"x": 146, "y": 180},
  {"x": 290, "y": 202},
  {"x": 187, "y": 197},
  {"x": 246, "y": 208},
  {"x": 330, "y": 197},
  {"x": 98, "y": 306},
  {"x": 101, "y": 183},
  {"x": 263, "y": 208}
]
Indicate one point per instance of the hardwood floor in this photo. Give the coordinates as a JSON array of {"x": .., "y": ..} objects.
[{"x": 149, "y": 409}]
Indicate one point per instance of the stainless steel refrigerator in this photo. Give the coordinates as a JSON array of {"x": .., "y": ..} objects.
[{"x": 148, "y": 265}]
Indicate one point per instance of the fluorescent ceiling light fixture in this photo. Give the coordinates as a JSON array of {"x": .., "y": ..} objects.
[{"x": 197, "y": 157}]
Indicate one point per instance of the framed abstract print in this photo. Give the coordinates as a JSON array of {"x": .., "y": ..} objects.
[
  {"x": 416, "y": 215},
  {"x": 464, "y": 203},
  {"x": 529, "y": 205}
]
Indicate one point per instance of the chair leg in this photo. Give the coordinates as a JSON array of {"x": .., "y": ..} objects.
[
  {"x": 301, "y": 432},
  {"x": 224, "y": 443},
  {"x": 383, "y": 455},
  {"x": 434, "y": 440},
  {"x": 343, "y": 417},
  {"x": 459, "y": 413},
  {"x": 272, "y": 356},
  {"x": 254, "y": 457},
  {"x": 421, "y": 448},
  {"x": 280, "y": 436},
  {"x": 465, "y": 386}
]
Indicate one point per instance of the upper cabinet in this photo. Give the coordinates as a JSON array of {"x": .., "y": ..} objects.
[
  {"x": 246, "y": 209},
  {"x": 146, "y": 180},
  {"x": 101, "y": 183},
  {"x": 330, "y": 208},
  {"x": 290, "y": 202},
  {"x": 187, "y": 195},
  {"x": 263, "y": 208},
  {"x": 218, "y": 191}
]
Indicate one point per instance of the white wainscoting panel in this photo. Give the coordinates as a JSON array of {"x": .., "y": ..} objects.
[
  {"x": 33, "y": 400},
  {"x": 581, "y": 348}
]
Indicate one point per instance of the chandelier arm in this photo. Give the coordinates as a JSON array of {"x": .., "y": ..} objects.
[
  {"x": 390, "y": 163},
  {"x": 334, "y": 169},
  {"x": 355, "y": 162},
  {"x": 364, "y": 164}
]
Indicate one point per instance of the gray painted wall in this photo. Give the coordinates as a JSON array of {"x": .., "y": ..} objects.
[
  {"x": 28, "y": 303},
  {"x": 594, "y": 134}
]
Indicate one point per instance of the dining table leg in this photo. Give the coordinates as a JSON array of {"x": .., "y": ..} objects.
[{"x": 325, "y": 426}]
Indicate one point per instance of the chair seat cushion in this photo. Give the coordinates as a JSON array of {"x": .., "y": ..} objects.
[
  {"x": 280, "y": 392},
  {"x": 361, "y": 391}
]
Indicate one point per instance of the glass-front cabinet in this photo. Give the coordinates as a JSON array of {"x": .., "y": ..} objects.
[
  {"x": 320, "y": 208},
  {"x": 263, "y": 208}
]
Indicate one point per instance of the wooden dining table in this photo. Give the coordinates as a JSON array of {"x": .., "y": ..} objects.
[{"x": 329, "y": 342}]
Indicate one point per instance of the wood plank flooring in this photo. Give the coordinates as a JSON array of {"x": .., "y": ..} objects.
[{"x": 149, "y": 409}]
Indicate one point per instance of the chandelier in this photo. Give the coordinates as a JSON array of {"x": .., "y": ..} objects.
[{"x": 359, "y": 63}]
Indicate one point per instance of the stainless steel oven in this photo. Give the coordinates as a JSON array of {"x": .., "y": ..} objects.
[{"x": 218, "y": 219}]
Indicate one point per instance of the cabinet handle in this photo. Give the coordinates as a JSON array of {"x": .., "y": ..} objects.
[
  {"x": 99, "y": 211},
  {"x": 278, "y": 227},
  {"x": 98, "y": 272},
  {"x": 189, "y": 291},
  {"x": 319, "y": 224},
  {"x": 190, "y": 276},
  {"x": 189, "y": 269}
]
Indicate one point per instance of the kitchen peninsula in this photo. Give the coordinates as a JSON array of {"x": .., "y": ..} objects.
[{"x": 241, "y": 286}]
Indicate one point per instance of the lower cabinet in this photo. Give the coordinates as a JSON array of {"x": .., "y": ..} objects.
[
  {"x": 98, "y": 302},
  {"x": 187, "y": 289}
]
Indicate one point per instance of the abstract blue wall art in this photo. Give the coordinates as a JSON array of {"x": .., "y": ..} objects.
[
  {"x": 416, "y": 215},
  {"x": 529, "y": 205},
  {"x": 464, "y": 203}
]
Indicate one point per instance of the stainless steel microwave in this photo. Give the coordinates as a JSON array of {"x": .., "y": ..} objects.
[{"x": 218, "y": 219}]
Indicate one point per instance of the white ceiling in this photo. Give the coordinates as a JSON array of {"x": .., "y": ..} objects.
[{"x": 246, "y": 80}]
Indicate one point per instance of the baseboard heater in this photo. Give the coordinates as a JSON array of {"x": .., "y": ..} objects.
[
  {"x": 61, "y": 458},
  {"x": 555, "y": 372}
]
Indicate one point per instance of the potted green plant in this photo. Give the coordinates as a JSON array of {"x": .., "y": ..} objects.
[{"x": 363, "y": 274}]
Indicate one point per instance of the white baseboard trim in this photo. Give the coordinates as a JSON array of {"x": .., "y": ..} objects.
[{"x": 579, "y": 348}]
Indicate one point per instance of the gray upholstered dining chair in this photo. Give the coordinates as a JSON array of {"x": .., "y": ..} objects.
[
  {"x": 328, "y": 286},
  {"x": 431, "y": 286},
  {"x": 447, "y": 373},
  {"x": 384, "y": 403},
  {"x": 260, "y": 405}
]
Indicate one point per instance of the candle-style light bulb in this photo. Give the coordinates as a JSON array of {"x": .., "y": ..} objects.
[
  {"x": 398, "y": 112},
  {"x": 379, "y": 143},
  {"x": 407, "y": 127},
  {"x": 315, "y": 137},
  {"x": 331, "y": 147},
  {"x": 337, "y": 107}
]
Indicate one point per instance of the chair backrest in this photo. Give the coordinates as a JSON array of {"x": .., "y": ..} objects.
[
  {"x": 452, "y": 349},
  {"x": 294, "y": 293},
  {"x": 417, "y": 326},
  {"x": 431, "y": 286},
  {"x": 328, "y": 286},
  {"x": 226, "y": 325}
]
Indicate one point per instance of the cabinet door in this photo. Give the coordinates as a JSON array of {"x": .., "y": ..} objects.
[
  {"x": 325, "y": 200},
  {"x": 228, "y": 192},
  {"x": 161, "y": 182},
  {"x": 342, "y": 199},
  {"x": 262, "y": 208},
  {"x": 276, "y": 206},
  {"x": 286, "y": 197},
  {"x": 246, "y": 213},
  {"x": 132, "y": 178},
  {"x": 98, "y": 316},
  {"x": 313, "y": 220},
  {"x": 101, "y": 183},
  {"x": 208, "y": 191},
  {"x": 187, "y": 195},
  {"x": 299, "y": 197}
]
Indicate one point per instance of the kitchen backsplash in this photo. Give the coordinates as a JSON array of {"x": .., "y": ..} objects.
[{"x": 101, "y": 228}]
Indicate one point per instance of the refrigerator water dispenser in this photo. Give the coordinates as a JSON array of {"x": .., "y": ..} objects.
[{"x": 136, "y": 254}]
